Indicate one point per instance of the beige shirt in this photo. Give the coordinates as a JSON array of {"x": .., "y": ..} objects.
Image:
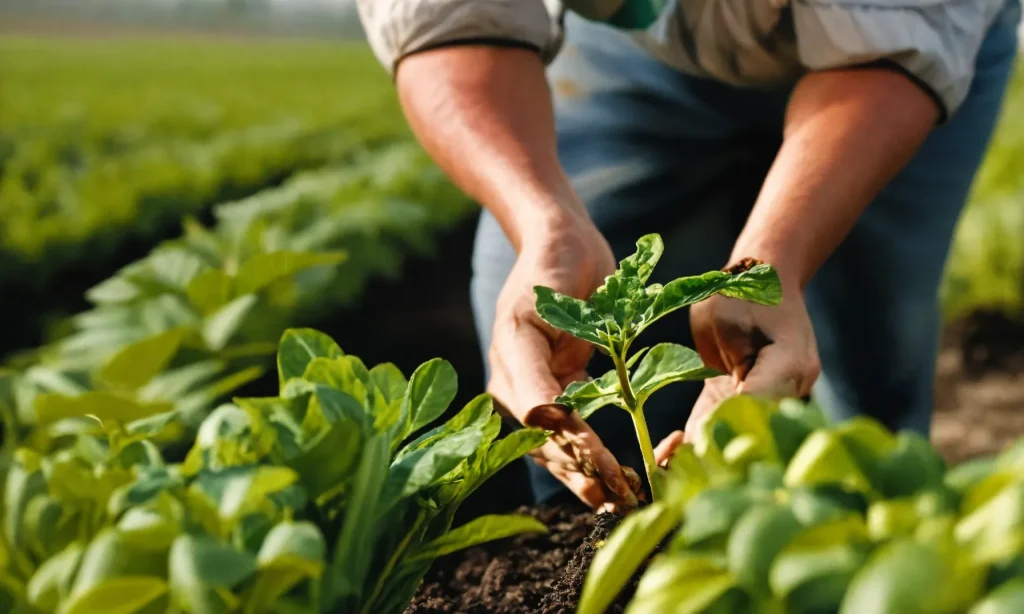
[{"x": 742, "y": 42}]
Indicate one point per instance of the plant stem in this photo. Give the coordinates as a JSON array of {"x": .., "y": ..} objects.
[
  {"x": 636, "y": 411},
  {"x": 650, "y": 463}
]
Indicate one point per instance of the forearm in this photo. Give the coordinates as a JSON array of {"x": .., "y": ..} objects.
[
  {"x": 484, "y": 114},
  {"x": 847, "y": 134}
]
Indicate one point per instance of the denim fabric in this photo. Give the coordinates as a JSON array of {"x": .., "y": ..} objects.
[{"x": 652, "y": 150}]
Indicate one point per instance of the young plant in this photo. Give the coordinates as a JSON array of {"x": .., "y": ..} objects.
[{"x": 624, "y": 307}]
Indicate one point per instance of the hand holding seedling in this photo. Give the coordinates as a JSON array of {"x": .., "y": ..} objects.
[
  {"x": 768, "y": 351},
  {"x": 622, "y": 308},
  {"x": 531, "y": 362}
]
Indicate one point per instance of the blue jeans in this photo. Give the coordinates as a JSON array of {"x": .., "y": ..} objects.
[{"x": 651, "y": 150}]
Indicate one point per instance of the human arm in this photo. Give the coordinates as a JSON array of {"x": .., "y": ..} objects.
[
  {"x": 848, "y": 132},
  {"x": 484, "y": 114}
]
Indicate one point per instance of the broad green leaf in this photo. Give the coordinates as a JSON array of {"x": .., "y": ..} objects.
[
  {"x": 148, "y": 528},
  {"x": 209, "y": 290},
  {"x": 199, "y": 566},
  {"x": 249, "y": 490},
  {"x": 346, "y": 373},
  {"x": 432, "y": 388},
  {"x": 823, "y": 459},
  {"x": 789, "y": 434},
  {"x": 110, "y": 555},
  {"x": 914, "y": 465},
  {"x": 424, "y": 467},
  {"x": 391, "y": 386},
  {"x": 627, "y": 547},
  {"x": 136, "y": 364},
  {"x": 298, "y": 347},
  {"x": 103, "y": 406},
  {"x": 475, "y": 413},
  {"x": 995, "y": 530},
  {"x": 264, "y": 269},
  {"x": 1006, "y": 599},
  {"x": 968, "y": 474},
  {"x": 294, "y": 543},
  {"x": 478, "y": 531},
  {"x": 52, "y": 580},
  {"x": 745, "y": 415},
  {"x": 635, "y": 358},
  {"x": 221, "y": 325},
  {"x": 667, "y": 363},
  {"x": 889, "y": 519},
  {"x": 498, "y": 456},
  {"x": 360, "y": 525},
  {"x": 336, "y": 405},
  {"x": 571, "y": 315},
  {"x": 760, "y": 284},
  {"x": 172, "y": 384},
  {"x": 24, "y": 481},
  {"x": 124, "y": 595},
  {"x": 815, "y": 580},
  {"x": 640, "y": 264},
  {"x": 330, "y": 459},
  {"x": 712, "y": 513},
  {"x": 681, "y": 584},
  {"x": 42, "y": 516},
  {"x": 758, "y": 537},
  {"x": 589, "y": 396},
  {"x": 152, "y": 426},
  {"x": 900, "y": 578}
]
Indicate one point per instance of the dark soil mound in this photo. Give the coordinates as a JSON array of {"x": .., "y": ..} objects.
[{"x": 528, "y": 574}]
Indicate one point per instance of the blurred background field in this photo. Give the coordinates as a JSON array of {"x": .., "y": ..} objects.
[{"x": 213, "y": 172}]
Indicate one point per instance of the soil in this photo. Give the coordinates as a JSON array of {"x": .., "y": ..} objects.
[{"x": 527, "y": 574}]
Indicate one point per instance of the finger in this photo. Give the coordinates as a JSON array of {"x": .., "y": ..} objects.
[
  {"x": 663, "y": 451},
  {"x": 740, "y": 344},
  {"x": 778, "y": 373},
  {"x": 589, "y": 490},
  {"x": 711, "y": 396},
  {"x": 527, "y": 360},
  {"x": 586, "y": 442}
]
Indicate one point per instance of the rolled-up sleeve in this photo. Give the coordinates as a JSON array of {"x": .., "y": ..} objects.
[
  {"x": 935, "y": 42},
  {"x": 397, "y": 28}
]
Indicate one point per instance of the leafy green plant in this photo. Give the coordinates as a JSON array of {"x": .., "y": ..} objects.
[
  {"x": 336, "y": 495},
  {"x": 775, "y": 510},
  {"x": 621, "y": 309}
]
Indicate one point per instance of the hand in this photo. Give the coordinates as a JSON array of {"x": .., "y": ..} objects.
[
  {"x": 531, "y": 363},
  {"x": 768, "y": 351}
]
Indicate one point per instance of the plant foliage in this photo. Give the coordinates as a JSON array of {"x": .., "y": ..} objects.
[{"x": 335, "y": 496}]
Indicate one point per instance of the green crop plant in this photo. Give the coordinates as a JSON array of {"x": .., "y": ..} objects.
[
  {"x": 775, "y": 510},
  {"x": 621, "y": 309},
  {"x": 335, "y": 496}
]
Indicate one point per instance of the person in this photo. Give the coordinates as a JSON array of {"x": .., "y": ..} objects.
[{"x": 834, "y": 139}]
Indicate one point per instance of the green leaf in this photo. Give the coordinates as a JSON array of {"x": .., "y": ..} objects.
[
  {"x": 209, "y": 290},
  {"x": 292, "y": 552},
  {"x": 498, "y": 456},
  {"x": 968, "y": 474},
  {"x": 900, "y": 578},
  {"x": 1006, "y": 599},
  {"x": 760, "y": 284},
  {"x": 148, "y": 528},
  {"x": 758, "y": 537},
  {"x": 475, "y": 532},
  {"x": 24, "y": 481},
  {"x": 337, "y": 405},
  {"x": 152, "y": 426},
  {"x": 298, "y": 347},
  {"x": 571, "y": 315},
  {"x": 712, "y": 513},
  {"x": 589, "y": 396},
  {"x": 103, "y": 406},
  {"x": 248, "y": 490},
  {"x": 111, "y": 555},
  {"x": 681, "y": 584},
  {"x": 432, "y": 388},
  {"x": 475, "y": 413},
  {"x": 124, "y": 595},
  {"x": 815, "y": 580},
  {"x": 995, "y": 530},
  {"x": 667, "y": 363},
  {"x": 424, "y": 467},
  {"x": 199, "y": 566},
  {"x": 136, "y": 364},
  {"x": 913, "y": 466},
  {"x": 361, "y": 523},
  {"x": 221, "y": 325},
  {"x": 823, "y": 459},
  {"x": 890, "y": 519},
  {"x": 264, "y": 269},
  {"x": 52, "y": 580},
  {"x": 627, "y": 547},
  {"x": 330, "y": 459}
]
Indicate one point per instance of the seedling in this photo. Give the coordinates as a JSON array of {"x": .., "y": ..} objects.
[{"x": 624, "y": 307}]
